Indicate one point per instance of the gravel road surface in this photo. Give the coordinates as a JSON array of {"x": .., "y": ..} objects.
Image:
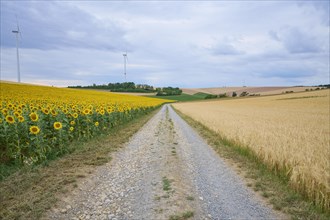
[{"x": 166, "y": 170}]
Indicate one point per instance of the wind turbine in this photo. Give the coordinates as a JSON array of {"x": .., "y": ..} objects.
[
  {"x": 17, "y": 52},
  {"x": 125, "y": 60}
]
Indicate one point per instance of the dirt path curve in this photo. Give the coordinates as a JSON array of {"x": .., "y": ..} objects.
[{"x": 166, "y": 170}]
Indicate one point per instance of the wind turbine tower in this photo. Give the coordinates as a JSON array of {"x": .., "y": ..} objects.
[
  {"x": 125, "y": 60},
  {"x": 17, "y": 51}
]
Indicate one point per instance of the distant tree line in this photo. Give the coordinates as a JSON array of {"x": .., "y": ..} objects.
[
  {"x": 166, "y": 91},
  {"x": 325, "y": 85},
  {"x": 120, "y": 87}
]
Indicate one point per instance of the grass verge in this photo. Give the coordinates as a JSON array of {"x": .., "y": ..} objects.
[
  {"x": 31, "y": 191},
  {"x": 272, "y": 185}
]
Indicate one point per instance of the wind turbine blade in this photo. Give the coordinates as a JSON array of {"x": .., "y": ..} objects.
[
  {"x": 17, "y": 23},
  {"x": 18, "y": 30}
]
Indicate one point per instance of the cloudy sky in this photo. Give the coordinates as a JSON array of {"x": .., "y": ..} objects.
[{"x": 169, "y": 43}]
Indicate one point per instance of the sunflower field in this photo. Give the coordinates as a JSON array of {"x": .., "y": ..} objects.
[{"x": 38, "y": 121}]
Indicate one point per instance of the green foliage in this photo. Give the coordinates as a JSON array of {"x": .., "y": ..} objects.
[
  {"x": 181, "y": 98},
  {"x": 201, "y": 95},
  {"x": 210, "y": 96},
  {"x": 182, "y": 216},
  {"x": 168, "y": 91},
  {"x": 121, "y": 87},
  {"x": 186, "y": 97},
  {"x": 234, "y": 94},
  {"x": 244, "y": 94},
  {"x": 132, "y": 90},
  {"x": 224, "y": 95},
  {"x": 166, "y": 184}
]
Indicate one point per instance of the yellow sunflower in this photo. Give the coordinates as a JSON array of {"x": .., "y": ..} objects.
[
  {"x": 75, "y": 115},
  {"x": 58, "y": 125},
  {"x": 96, "y": 123},
  {"x": 4, "y": 111},
  {"x": 53, "y": 112},
  {"x": 86, "y": 111},
  {"x": 45, "y": 111},
  {"x": 71, "y": 128},
  {"x": 34, "y": 129},
  {"x": 21, "y": 118},
  {"x": 72, "y": 122},
  {"x": 10, "y": 119},
  {"x": 34, "y": 116},
  {"x": 10, "y": 105},
  {"x": 16, "y": 114}
]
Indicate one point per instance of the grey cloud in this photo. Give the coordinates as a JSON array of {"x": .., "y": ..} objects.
[
  {"x": 274, "y": 35},
  {"x": 286, "y": 73},
  {"x": 297, "y": 41},
  {"x": 321, "y": 7},
  {"x": 51, "y": 25},
  {"x": 225, "y": 49}
]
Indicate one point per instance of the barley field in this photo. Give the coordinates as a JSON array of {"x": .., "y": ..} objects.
[
  {"x": 287, "y": 132},
  {"x": 38, "y": 122}
]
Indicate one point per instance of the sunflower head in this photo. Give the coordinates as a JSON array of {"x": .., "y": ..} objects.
[
  {"x": 10, "y": 119},
  {"x": 86, "y": 111},
  {"x": 71, "y": 128},
  {"x": 58, "y": 125},
  {"x": 72, "y": 122},
  {"x": 75, "y": 115},
  {"x": 32, "y": 108},
  {"x": 16, "y": 114},
  {"x": 21, "y": 118},
  {"x": 34, "y": 116},
  {"x": 34, "y": 129},
  {"x": 45, "y": 111},
  {"x": 4, "y": 111},
  {"x": 96, "y": 123},
  {"x": 10, "y": 105},
  {"x": 53, "y": 112}
]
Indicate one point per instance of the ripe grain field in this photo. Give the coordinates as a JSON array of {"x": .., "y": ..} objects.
[{"x": 287, "y": 132}]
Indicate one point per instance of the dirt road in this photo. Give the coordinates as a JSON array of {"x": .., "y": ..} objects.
[{"x": 166, "y": 170}]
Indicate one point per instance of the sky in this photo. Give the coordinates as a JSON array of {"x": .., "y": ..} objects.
[{"x": 189, "y": 44}]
